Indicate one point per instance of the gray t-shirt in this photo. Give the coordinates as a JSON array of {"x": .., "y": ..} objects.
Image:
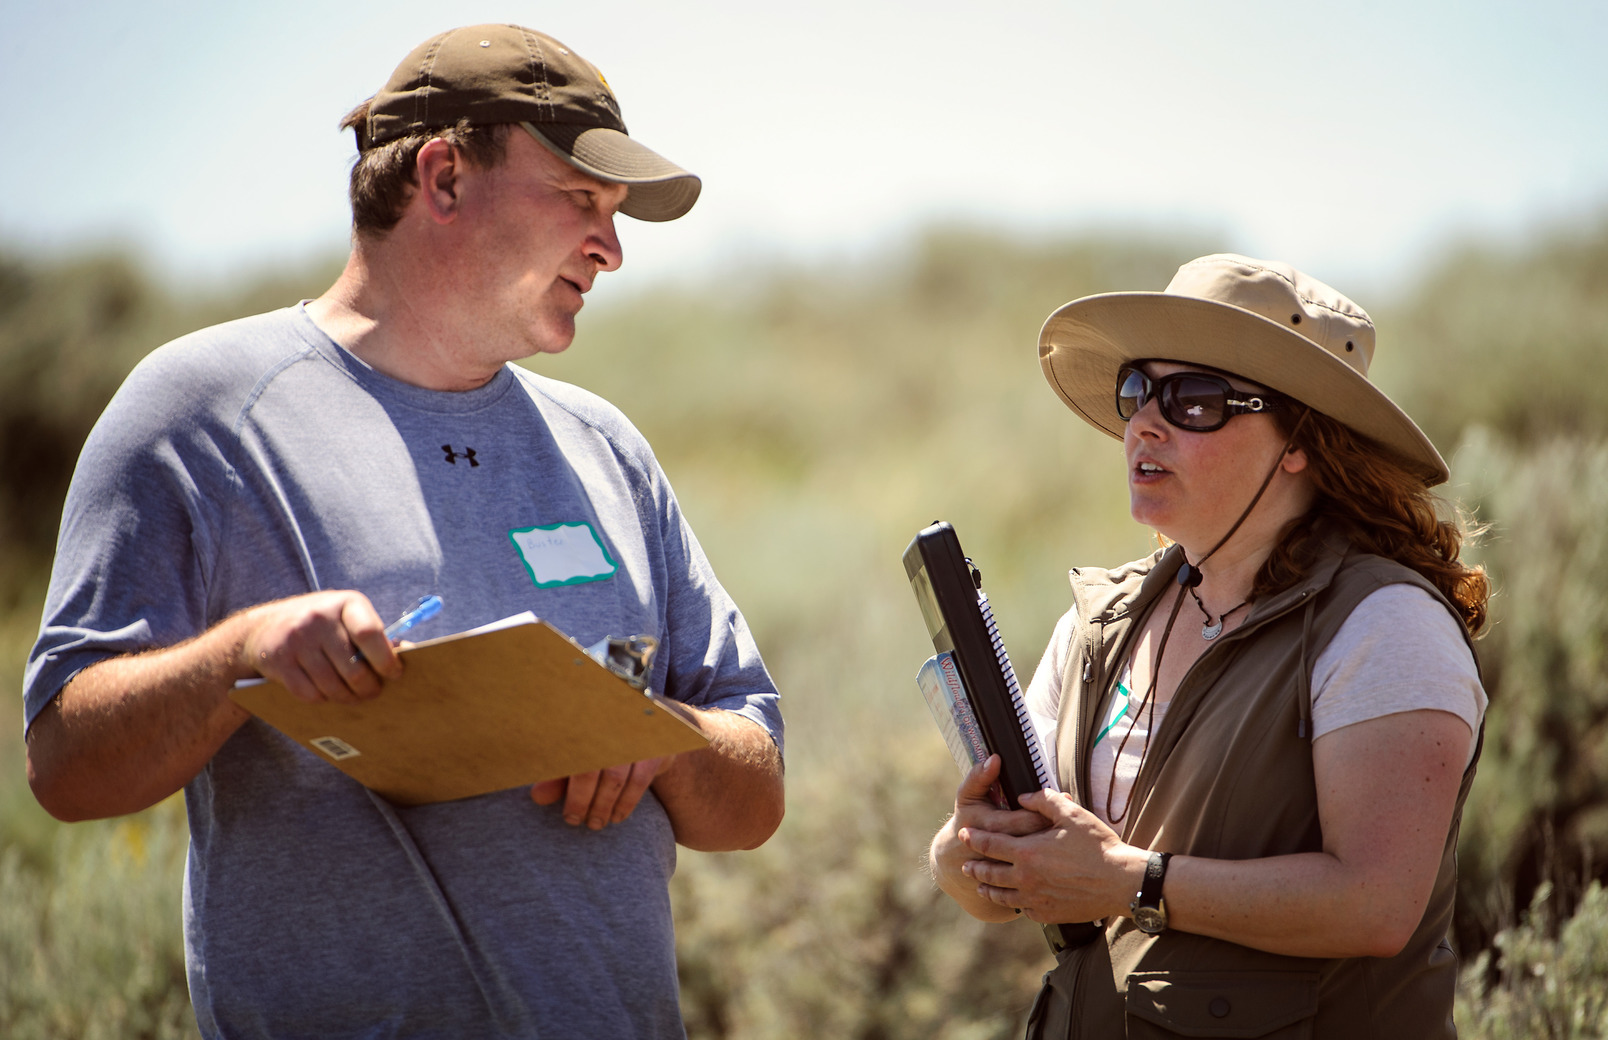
[{"x": 257, "y": 460}]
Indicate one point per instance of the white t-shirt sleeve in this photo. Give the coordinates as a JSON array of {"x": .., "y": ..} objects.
[
  {"x": 1044, "y": 692},
  {"x": 1400, "y": 650}
]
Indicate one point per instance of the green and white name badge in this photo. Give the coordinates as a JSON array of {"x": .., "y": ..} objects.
[{"x": 563, "y": 554}]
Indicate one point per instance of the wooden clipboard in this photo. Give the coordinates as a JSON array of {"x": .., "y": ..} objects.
[{"x": 481, "y": 712}]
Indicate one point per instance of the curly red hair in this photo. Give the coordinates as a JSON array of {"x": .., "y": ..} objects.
[{"x": 1382, "y": 507}]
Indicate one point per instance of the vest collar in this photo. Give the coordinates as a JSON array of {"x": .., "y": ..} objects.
[{"x": 1126, "y": 593}]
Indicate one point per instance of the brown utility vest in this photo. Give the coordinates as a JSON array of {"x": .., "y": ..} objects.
[{"x": 1229, "y": 776}]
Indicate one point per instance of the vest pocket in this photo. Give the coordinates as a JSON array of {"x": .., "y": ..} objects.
[
  {"x": 1278, "y": 1005},
  {"x": 1051, "y": 1014},
  {"x": 1079, "y": 999}
]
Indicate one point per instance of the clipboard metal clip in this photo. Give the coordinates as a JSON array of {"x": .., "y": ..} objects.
[{"x": 629, "y": 657}]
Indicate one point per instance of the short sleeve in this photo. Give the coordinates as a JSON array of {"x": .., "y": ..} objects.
[
  {"x": 1400, "y": 650},
  {"x": 138, "y": 527},
  {"x": 1044, "y": 692}
]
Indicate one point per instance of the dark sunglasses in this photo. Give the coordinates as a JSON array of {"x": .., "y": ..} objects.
[{"x": 1189, "y": 400}]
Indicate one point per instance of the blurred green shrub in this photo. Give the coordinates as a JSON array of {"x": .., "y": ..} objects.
[
  {"x": 1539, "y": 810},
  {"x": 835, "y": 928},
  {"x": 68, "y": 335},
  {"x": 93, "y": 949},
  {"x": 1543, "y": 977},
  {"x": 1507, "y": 336}
]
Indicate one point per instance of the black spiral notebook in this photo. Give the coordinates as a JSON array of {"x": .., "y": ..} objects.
[{"x": 969, "y": 684}]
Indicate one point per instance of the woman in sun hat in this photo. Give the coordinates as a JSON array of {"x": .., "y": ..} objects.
[{"x": 1267, "y": 729}]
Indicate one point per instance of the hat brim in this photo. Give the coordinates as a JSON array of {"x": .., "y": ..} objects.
[
  {"x": 1085, "y": 342},
  {"x": 660, "y": 190}
]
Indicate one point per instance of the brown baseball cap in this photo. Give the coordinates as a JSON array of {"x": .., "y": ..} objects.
[{"x": 510, "y": 74}]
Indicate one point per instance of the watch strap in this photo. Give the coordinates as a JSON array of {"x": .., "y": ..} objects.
[
  {"x": 1155, "y": 876},
  {"x": 1149, "y": 909}
]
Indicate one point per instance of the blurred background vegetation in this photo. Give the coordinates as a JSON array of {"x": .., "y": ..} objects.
[{"x": 812, "y": 419}]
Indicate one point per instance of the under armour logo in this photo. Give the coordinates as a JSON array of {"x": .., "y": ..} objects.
[{"x": 454, "y": 456}]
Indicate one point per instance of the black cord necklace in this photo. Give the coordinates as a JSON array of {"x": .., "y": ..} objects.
[
  {"x": 1188, "y": 576},
  {"x": 1212, "y": 629}
]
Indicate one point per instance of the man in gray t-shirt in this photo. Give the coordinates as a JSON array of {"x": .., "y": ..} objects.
[{"x": 261, "y": 495}]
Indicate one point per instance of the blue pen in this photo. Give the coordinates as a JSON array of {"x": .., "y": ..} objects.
[{"x": 422, "y": 611}]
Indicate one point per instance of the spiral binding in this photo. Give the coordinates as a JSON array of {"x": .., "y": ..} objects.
[{"x": 1018, "y": 702}]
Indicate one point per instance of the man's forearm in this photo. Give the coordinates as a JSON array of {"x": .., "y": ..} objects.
[
  {"x": 127, "y": 732},
  {"x": 728, "y": 795}
]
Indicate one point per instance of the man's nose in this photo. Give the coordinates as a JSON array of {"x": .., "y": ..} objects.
[{"x": 604, "y": 247}]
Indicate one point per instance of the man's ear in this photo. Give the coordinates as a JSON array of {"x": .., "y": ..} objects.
[{"x": 438, "y": 167}]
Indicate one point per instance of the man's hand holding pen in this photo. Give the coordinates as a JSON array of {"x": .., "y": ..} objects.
[{"x": 322, "y": 646}]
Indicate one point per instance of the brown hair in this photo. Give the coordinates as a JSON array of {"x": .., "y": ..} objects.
[
  {"x": 384, "y": 177},
  {"x": 1382, "y": 507}
]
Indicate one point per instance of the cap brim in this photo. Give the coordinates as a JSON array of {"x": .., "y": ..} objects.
[
  {"x": 1084, "y": 343},
  {"x": 660, "y": 190}
]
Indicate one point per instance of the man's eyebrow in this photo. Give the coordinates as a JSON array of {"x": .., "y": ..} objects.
[{"x": 578, "y": 179}]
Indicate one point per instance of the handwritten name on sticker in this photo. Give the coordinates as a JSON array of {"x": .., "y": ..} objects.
[{"x": 563, "y": 554}]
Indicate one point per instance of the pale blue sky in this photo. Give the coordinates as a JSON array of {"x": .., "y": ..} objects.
[{"x": 1352, "y": 139}]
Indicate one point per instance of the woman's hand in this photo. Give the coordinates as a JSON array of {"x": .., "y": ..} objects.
[
  {"x": 975, "y": 813},
  {"x": 1073, "y": 869}
]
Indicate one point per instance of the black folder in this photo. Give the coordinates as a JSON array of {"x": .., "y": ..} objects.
[
  {"x": 961, "y": 624},
  {"x": 949, "y": 591}
]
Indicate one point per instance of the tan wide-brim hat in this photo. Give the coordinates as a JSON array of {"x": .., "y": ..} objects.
[{"x": 1265, "y": 322}]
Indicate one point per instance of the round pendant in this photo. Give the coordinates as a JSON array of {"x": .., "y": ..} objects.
[{"x": 1212, "y": 631}]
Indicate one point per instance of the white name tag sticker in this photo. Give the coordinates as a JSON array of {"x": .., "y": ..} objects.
[{"x": 563, "y": 554}]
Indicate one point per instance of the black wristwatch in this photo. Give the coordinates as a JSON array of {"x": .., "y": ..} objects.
[{"x": 1148, "y": 907}]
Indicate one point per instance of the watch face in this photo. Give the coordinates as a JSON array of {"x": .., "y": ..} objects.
[{"x": 1150, "y": 919}]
